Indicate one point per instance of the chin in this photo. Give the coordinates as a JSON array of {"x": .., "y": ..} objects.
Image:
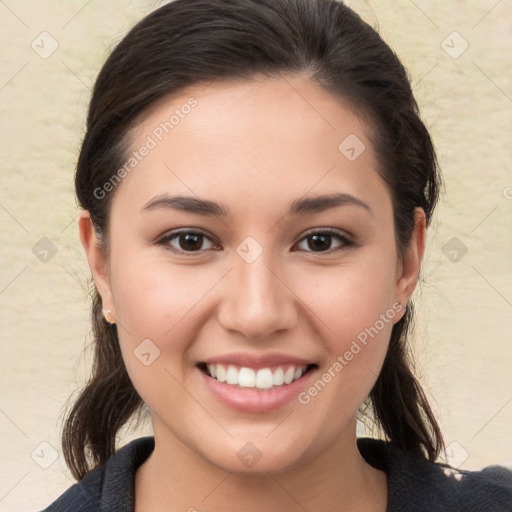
[{"x": 261, "y": 455}]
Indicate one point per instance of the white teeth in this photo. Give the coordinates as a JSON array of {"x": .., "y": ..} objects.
[
  {"x": 232, "y": 375},
  {"x": 246, "y": 378},
  {"x": 288, "y": 375},
  {"x": 220, "y": 372},
  {"x": 278, "y": 378},
  {"x": 264, "y": 378}
]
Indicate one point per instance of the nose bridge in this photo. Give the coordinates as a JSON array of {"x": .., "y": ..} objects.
[{"x": 256, "y": 301}]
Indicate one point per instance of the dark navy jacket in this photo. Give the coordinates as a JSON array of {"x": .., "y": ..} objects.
[{"x": 414, "y": 484}]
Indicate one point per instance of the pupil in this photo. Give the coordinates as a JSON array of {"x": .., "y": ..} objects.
[
  {"x": 320, "y": 242},
  {"x": 190, "y": 242}
]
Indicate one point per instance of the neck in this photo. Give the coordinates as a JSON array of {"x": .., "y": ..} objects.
[{"x": 338, "y": 479}]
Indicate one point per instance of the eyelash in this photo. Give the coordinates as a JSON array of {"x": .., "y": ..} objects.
[{"x": 346, "y": 242}]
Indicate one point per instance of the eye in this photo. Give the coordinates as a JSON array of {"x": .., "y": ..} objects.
[
  {"x": 187, "y": 241},
  {"x": 322, "y": 241}
]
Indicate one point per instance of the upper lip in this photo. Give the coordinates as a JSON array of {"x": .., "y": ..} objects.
[{"x": 257, "y": 361}]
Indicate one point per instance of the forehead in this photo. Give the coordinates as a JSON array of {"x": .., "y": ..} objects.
[{"x": 250, "y": 142}]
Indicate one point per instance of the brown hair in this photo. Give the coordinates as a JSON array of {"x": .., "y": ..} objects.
[{"x": 190, "y": 41}]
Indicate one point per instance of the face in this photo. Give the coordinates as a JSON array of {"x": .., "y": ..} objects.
[{"x": 252, "y": 271}]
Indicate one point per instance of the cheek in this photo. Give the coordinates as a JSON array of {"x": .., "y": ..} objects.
[
  {"x": 352, "y": 297},
  {"x": 356, "y": 308},
  {"x": 162, "y": 302},
  {"x": 152, "y": 295},
  {"x": 156, "y": 306}
]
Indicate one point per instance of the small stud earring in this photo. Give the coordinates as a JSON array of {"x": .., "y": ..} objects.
[{"x": 106, "y": 314}]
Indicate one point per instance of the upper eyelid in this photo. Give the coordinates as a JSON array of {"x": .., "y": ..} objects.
[
  {"x": 309, "y": 232},
  {"x": 330, "y": 231},
  {"x": 179, "y": 231}
]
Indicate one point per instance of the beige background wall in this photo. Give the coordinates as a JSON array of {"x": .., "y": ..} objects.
[{"x": 464, "y": 335}]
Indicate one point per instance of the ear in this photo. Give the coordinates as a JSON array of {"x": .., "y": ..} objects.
[
  {"x": 409, "y": 267},
  {"x": 97, "y": 261}
]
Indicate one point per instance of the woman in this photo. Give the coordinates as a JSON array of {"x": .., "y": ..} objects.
[{"x": 256, "y": 185}]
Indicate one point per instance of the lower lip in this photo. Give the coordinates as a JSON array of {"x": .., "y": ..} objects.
[{"x": 251, "y": 400}]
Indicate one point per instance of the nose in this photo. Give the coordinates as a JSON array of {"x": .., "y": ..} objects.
[{"x": 257, "y": 302}]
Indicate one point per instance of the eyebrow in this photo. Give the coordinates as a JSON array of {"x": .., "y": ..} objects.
[{"x": 209, "y": 208}]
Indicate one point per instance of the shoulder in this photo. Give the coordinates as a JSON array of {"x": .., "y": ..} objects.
[
  {"x": 416, "y": 484},
  {"x": 109, "y": 487}
]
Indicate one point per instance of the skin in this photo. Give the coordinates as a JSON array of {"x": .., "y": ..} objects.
[{"x": 254, "y": 147}]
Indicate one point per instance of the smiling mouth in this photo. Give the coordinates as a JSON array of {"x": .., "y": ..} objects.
[{"x": 264, "y": 379}]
